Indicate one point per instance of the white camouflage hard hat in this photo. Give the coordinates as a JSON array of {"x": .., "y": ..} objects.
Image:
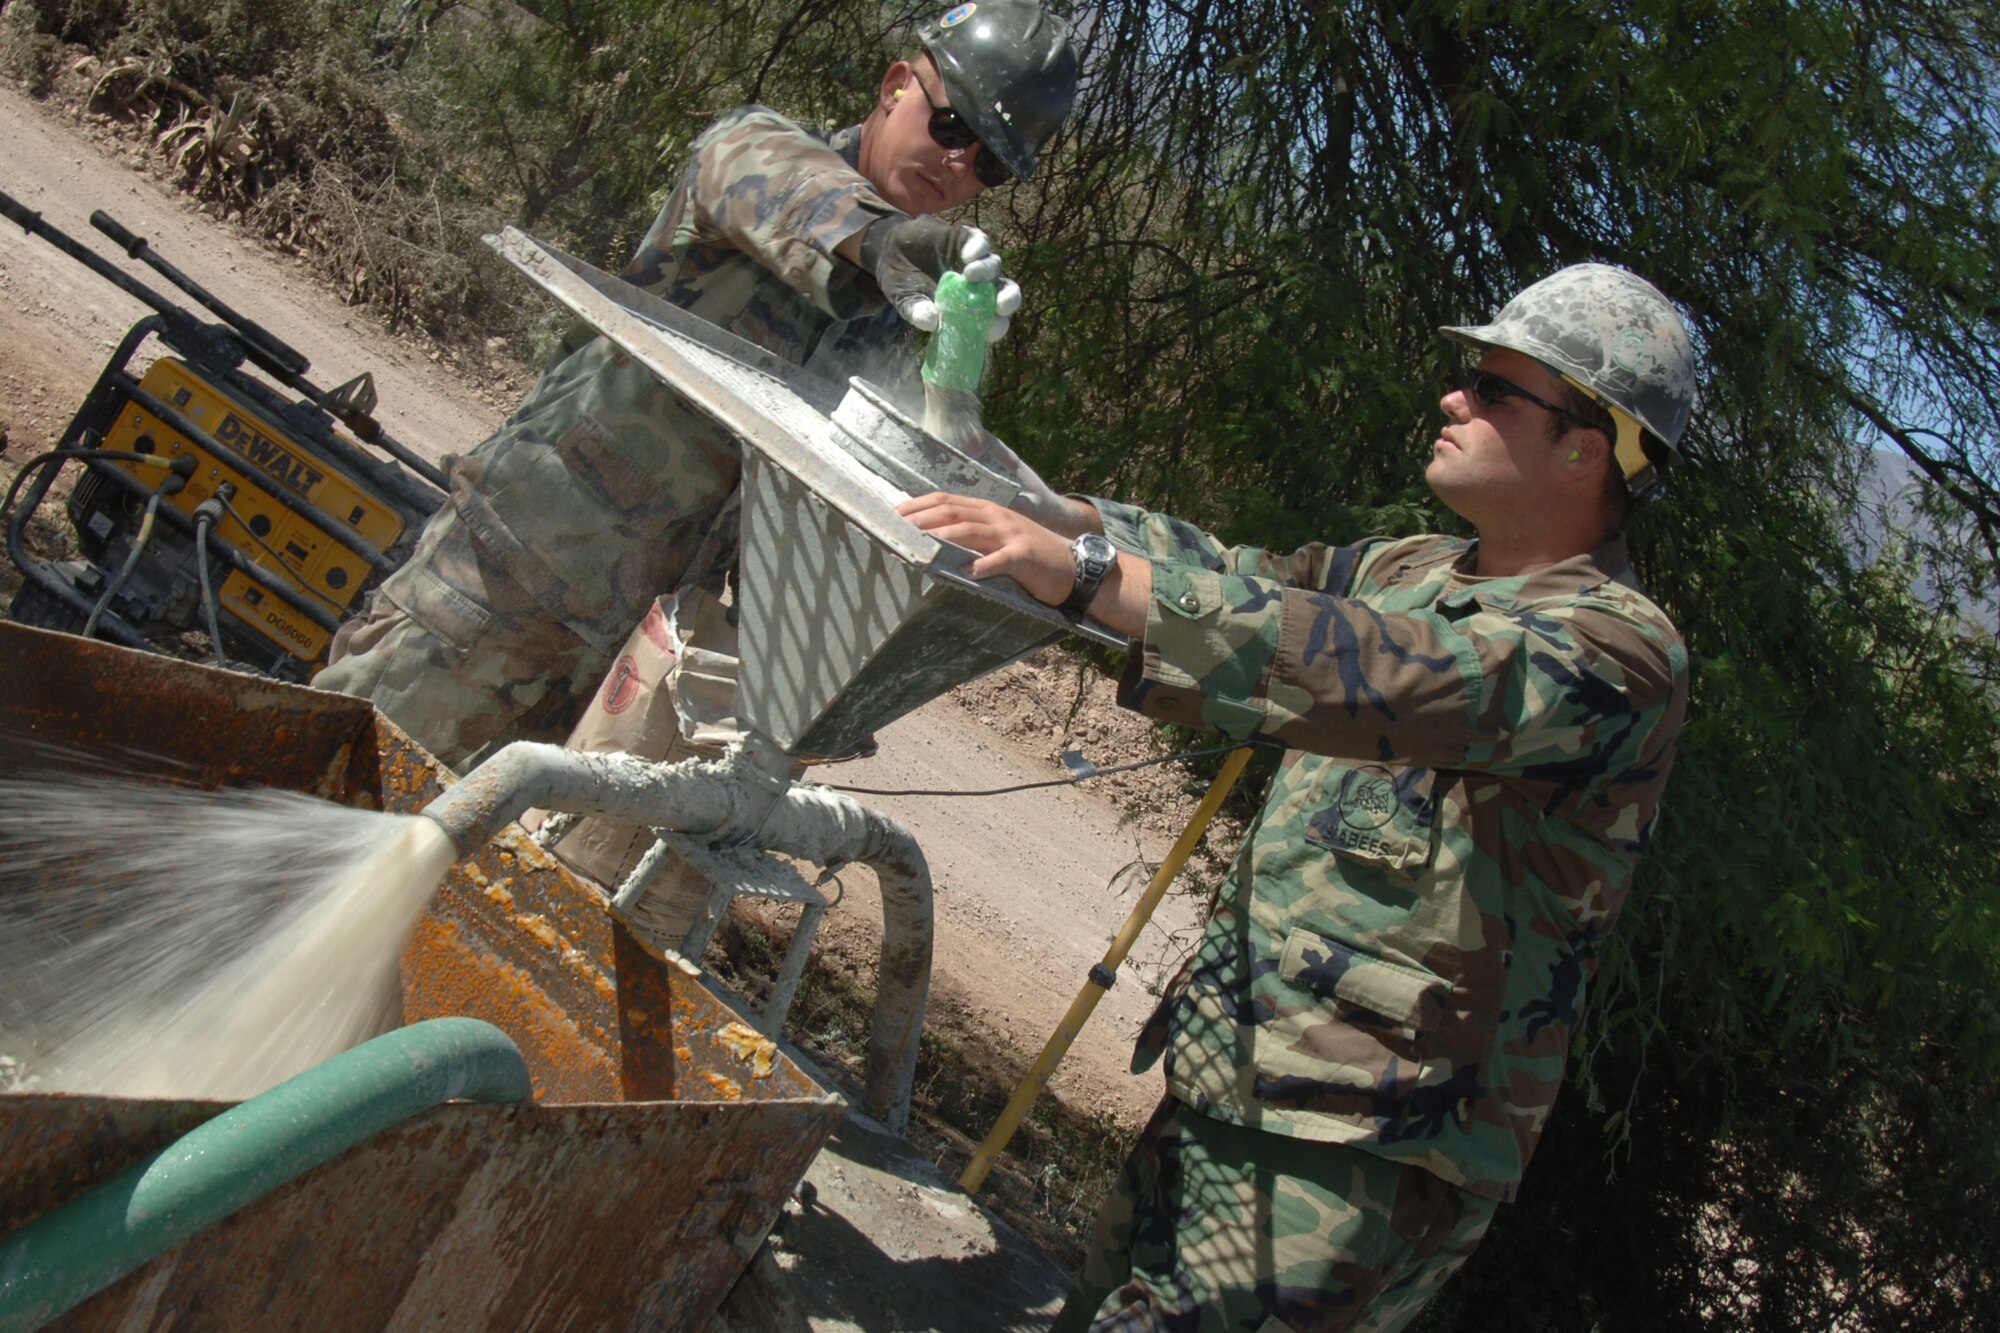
[{"x": 1617, "y": 338}]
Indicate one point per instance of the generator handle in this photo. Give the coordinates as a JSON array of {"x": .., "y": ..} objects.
[
  {"x": 181, "y": 327},
  {"x": 221, "y": 347},
  {"x": 261, "y": 338}
]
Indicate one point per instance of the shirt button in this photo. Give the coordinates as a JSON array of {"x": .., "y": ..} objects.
[{"x": 1190, "y": 602}]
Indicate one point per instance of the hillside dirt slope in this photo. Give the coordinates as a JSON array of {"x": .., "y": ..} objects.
[{"x": 1024, "y": 895}]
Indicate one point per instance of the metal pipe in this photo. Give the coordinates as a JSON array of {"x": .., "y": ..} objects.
[
  {"x": 741, "y": 799},
  {"x": 63, "y": 1258},
  {"x": 222, "y": 347},
  {"x": 289, "y": 366}
]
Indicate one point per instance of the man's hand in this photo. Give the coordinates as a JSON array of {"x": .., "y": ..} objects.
[
  {"x": 1006, "y": 300},
  {"x": 1008, "y": 543},
  {"x": 908, "y": 255},
  {"x": 1039, "y": 560}
]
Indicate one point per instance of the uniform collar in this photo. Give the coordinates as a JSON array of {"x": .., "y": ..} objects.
[
  {"x": 847, "y": 143},
  {"x": 1580, "y": 574}
]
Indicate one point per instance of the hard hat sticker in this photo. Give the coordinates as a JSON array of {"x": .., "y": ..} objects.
[
  {"x": 957, "y": 15},
  {"x": 1632, "y": 354}
]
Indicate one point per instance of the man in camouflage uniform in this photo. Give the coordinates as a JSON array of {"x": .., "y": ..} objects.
[
  {"x": 1369, "y": 1038},
  {"x": 604, "y": 491}
]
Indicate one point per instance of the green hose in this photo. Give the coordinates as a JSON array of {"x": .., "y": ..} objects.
[{"x": 64, "y": 1257}]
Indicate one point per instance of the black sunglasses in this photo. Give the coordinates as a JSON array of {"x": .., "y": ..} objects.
[
  {"x": 1483, "y": 386},
  {"x": 950, "y": 132}
]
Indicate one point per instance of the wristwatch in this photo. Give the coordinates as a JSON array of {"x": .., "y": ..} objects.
[{"x": 1094, "y": 557}]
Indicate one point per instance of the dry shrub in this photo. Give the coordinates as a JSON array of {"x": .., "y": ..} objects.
[
  {"x": 388, "y": 228},
  {"x": 403, "y": 248},
  {"x": 27, "y": 54},
  {"x": 276, "y": 115}
]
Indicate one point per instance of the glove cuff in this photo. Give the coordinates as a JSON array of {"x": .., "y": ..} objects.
[{"x": 875, "y": 239}]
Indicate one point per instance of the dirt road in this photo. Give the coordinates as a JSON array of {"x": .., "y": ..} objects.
[
  {"x": 58, "y": 320},
  {"x": 1023, "y": 907}
]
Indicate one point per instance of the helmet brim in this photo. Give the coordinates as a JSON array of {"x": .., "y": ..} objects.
[{"x": 1554, "y": 359}]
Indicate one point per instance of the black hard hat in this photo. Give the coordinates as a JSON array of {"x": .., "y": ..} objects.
[{"x": 1011, "y": 71}]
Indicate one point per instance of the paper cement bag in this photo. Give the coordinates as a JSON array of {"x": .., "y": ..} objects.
[
  {"x": 702, "y": 680},
  {"x": 670, "y": 695}
]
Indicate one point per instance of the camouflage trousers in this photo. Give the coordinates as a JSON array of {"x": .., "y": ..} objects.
[
  {"x": 1213, "y": 1226},
  {"x": 460, "y": 656}
]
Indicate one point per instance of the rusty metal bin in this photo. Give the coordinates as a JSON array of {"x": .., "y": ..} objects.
[{"x": 630, "y": 1194}]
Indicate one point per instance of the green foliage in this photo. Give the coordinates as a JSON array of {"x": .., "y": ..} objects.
[
  {"x": 1235, "y": 261},
  {"x": 571, "y": 117},
  {"x": 1254, "y": 235}
]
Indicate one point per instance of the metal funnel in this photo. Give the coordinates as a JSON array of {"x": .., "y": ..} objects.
[{"x": 849, "y": 616}]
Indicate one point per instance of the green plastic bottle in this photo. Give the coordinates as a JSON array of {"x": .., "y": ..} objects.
[{"x": 956, "y": 358}]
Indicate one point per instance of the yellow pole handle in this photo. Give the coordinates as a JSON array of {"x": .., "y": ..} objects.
[{"x": 1093, "y": 990}]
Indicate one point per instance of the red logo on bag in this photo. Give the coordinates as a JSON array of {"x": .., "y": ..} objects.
[
  {"x": 654, "y": 626},
  {"x": 621, "y": 687}
]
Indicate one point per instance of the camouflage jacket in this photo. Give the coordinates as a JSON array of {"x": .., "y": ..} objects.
[
  {"x": 599, "y": 493},
  {"x": 1399, "y": 957}
]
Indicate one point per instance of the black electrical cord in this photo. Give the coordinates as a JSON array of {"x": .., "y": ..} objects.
[
  {"x": 53, "y": 455},
  {"x": 1056, "y": 782},
  {"x": 112, "y": 588},
  {"x": 57, "y": 455},
  {"x": 202, "y": 523},
  {"x": 206, "y": 515}
]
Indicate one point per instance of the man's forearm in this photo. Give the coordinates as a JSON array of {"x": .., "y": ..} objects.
[
  {"x": 1035, "y": 555},
  {"x": 1122, "y": 599},
  {"x": 1059, "y": 513}
]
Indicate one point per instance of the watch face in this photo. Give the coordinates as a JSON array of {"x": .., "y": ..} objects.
[
  {"x": 1095, "y": 557},
  {"x": 1097, "y": 550}
]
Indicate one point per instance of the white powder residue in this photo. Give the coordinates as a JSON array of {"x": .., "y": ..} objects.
[{"x": 952, "y": 415}]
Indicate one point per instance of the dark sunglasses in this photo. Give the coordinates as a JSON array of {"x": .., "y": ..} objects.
[
  {"x": 1483, "y": 386},
  {"x": 950, "y": 132}
]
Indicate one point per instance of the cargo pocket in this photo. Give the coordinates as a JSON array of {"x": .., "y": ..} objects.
[
  {"x": 425, "y": 591},
  {"x": 593, "y": 453},
  {"x": 1376, "y": 815},
  {"x": 447, "y": 613},
  {"x": 1405, "y": 1000},
  {"x": 581, "y": 507}
]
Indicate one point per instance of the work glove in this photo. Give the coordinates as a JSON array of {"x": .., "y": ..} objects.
[{"x": 908, "y": 255}]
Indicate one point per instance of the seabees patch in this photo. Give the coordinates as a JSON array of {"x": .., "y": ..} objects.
[{"x": 1375, "y": 815}]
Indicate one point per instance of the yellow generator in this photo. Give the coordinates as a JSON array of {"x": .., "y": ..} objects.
[{"x": 206, "y": 497}]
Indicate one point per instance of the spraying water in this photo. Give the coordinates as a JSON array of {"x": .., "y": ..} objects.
[{"x": 159, "y": 941}]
